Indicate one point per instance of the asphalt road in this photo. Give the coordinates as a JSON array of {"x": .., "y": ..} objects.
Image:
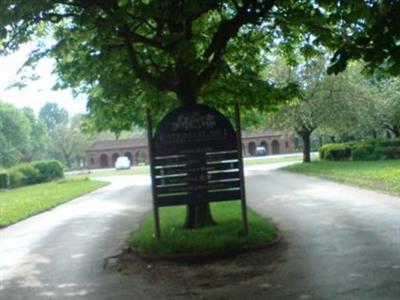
[{"x": 339, "y": 243}]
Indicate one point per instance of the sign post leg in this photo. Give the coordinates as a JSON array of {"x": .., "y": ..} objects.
[
  {"x": 241, "y": 170},
  {"x": 153, "y": 178}
]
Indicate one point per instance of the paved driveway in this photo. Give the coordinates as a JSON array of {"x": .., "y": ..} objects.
[{"x": 339, "y": 243}]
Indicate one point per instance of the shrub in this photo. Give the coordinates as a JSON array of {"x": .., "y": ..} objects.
[
  {"x": 29, "y": 172},
  {"x": 15, "y": 178},
  {"x": 392, "y": 152},
  {"x": 4, "y": 180},
  {"x": 335, "y": 152},
  {"x": 23, "y": 174},
  {"x": 389, "y": 143},
  {"x": 49, "y": 170},
  {"x": 362, "y": 151}
]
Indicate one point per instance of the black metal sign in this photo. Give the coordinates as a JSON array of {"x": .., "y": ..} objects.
[{"x": 196, "y": 158}]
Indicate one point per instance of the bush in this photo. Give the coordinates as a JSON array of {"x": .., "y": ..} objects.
[
  {"x": 30, "y": 174},
  {"x": 362, "y": 151},
  {"x": 379, "y": 153},
  {"x": 49, "y": 170},
  {"x": 335, "y": 152},
  {"x": 23, "y": 174},
  {"x": 389, "y": 143},
  {"x": 4, "y": 180},
  {"x": 16, "y": 178},
  {"x": 392, "y": 152},
  {"x": 36, "y": 172}
]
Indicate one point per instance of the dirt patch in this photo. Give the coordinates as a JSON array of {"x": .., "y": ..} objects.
[{"x": 201, "y": 280}]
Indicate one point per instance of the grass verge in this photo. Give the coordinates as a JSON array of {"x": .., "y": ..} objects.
[
  {"x": 226, "y": 236},
  {"x": 20, "y": 203},
  {"x": 381, "y": 175}
]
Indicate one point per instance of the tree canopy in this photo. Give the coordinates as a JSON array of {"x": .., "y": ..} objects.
[{"x": 128, "y": 55}]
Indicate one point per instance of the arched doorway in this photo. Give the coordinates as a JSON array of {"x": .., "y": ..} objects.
[
  {"x": 114, "y": 158},
  {"x": 252, "y": 148},
  {"x": 104, "y": 161},
  {"x": 265, "y": 145},
  {"x": 129, "y": 155},
  {"x": 275, "y": 147},
  {"x": 140, "y": 157}
]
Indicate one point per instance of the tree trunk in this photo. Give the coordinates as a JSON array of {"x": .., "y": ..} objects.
[
  {"x": 305, "y": 135},
  {"x": 396, "y": 131},
  {"x": 321, "y": 142},
  {"x": 199, "y": 215},
  {"x": 374, "y": 134}
]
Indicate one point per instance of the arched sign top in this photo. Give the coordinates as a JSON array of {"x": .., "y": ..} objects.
[{"x": 194, "y": 129}]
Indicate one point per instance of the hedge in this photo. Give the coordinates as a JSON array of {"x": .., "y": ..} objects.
[
  {"x": 36, "y": 172},
  {"x": 4, "y": 180},
  {"x": 49, "y": 170},
  {"x": 335, "y": 152},
  {"x": 362, "y": 150}
]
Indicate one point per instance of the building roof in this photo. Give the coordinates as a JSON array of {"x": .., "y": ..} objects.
[
  {"x": 263, "y": 134},
  {"x": 118, "y": 144}
]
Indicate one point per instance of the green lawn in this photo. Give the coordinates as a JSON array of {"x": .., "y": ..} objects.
[
  {"x": 20, "y": 203},
  {"x": 378, "y": 175},
  {"x": 225, "y": 236}
]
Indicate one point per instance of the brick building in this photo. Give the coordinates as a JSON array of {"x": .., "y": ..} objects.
[
  {"x": 273, "y": 142},
  {"x": 103, "y": 154}
]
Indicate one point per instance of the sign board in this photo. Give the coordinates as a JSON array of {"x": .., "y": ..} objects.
[{"x": 196, "y": 158}]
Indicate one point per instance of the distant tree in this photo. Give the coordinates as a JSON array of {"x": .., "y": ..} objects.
[
  {"x": 385, "y": 95},
  {"x": 328, "y": 103},
  {"x": 52, "y": 115},
  {"x": 39, "y": 141},
  {"x": 69, "y": 142},
  {"x": 14, "y": 135}
]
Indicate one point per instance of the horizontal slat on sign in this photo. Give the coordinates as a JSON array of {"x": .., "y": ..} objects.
[
  {"x": 221, "y": 185},
  {"x": 223, "y": 175},
  {"x": 174, "y": 161},
  {"x": 185, "y": 178},
  {"x": 223, "y": 166},
  {"x": 171, "y": 171},
  {"x": 224, "y": 195},
  {"x": 198, "y": 198},
  {"x": 172, "y": 180},
  {"x": 222, "y": 156},
  {"x": 196, "y": 169}
]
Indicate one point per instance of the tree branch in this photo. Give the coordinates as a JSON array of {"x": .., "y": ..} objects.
[
  {"x": 161, "y": 82},
  {"x": 249, "y": 13}
]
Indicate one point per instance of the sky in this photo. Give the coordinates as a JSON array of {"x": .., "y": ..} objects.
[{"x": 37, "y": 92}]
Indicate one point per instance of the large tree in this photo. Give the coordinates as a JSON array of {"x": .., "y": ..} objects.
[
  {"x": 332, "y": 104},
  {"x": 131, "y": 54}
]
